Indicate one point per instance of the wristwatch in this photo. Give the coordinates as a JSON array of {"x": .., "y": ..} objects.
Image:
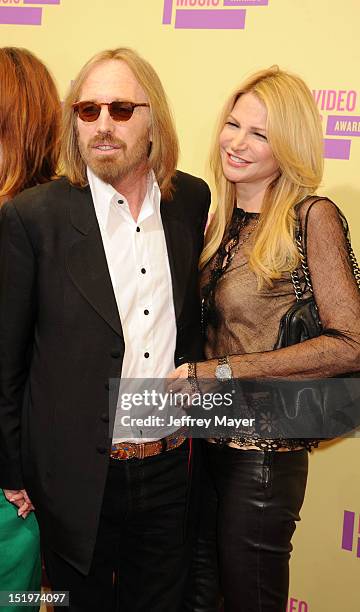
[{"x": 223, "y": 371}]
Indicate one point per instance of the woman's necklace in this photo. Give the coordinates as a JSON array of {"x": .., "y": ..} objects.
[
  {"x": 236, "y": 241},
  {"x": 226, "y": 252}
]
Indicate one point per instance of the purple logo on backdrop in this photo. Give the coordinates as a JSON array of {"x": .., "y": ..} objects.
[
  {"x": 297, "y": 605},
  {"x": 343, "y": 126},
  {"x": 22, "y": 12},
  {"x": 208, "y": 14},
  {"x": 348, "y": 533}
]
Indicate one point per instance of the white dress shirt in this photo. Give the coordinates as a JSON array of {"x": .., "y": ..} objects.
[{"x": 138, "y": 264}]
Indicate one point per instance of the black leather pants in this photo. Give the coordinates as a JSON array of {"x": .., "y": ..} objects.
[{"x": 260, "y": 494}]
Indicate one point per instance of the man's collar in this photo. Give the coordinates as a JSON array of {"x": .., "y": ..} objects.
[
  {"x": 106, "y": 188},
  {"x": 99, "y": 186},
  {"x": 104, "y": 194}
]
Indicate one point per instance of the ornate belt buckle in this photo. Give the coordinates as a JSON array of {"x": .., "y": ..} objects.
[{"x": 126, "y": 451}]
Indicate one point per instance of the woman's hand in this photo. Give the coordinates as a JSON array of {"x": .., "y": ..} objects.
[
  {"x": 177, "y": 380},
  {"x": 180, "y": 372},
  {"x": 20, "y": 499},
  {"x": 205, "y": 378},
  {"x": 204, "y": 370}
]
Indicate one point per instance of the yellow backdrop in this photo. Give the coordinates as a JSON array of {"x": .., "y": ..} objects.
[{"x": 201, "y": 50}]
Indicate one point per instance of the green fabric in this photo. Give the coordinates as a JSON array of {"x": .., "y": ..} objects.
[{"x": 20, "y": 566}]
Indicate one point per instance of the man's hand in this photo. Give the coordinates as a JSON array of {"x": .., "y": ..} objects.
[{"x": 20, "y": 499}]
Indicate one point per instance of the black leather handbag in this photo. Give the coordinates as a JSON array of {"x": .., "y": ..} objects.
[
  {"x": 318, "y": 408},
  {"x": 301, "y": 322}
]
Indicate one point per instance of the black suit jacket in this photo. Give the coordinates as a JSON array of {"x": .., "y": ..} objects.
[{"x": 61, "y": 341}]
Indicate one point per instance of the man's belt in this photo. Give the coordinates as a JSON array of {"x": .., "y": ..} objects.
[{"x": 130, "y": 450}]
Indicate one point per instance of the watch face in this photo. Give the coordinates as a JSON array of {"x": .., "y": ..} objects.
[{"x": 223, "y": 372}]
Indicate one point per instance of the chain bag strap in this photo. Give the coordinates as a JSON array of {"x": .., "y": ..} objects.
[{"x": 303, "y": 255}]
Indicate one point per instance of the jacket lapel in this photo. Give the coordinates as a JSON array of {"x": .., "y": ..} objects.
[
  {"x": 86, "y": 260},
  {"x": 180, "y": 252}
]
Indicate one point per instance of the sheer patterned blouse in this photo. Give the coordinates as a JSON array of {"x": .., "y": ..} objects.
[{"x": 242, "y": 321}]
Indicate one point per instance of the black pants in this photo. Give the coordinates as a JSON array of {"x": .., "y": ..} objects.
[
  {"x": 259, "y": 495},
  {"x": 142, "y": 540},
  {"x": 203, "y": 592}
]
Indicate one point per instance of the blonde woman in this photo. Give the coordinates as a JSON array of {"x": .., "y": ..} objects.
[{"x": 267, "y": 159}]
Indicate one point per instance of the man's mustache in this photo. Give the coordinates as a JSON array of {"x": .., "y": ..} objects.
[{"x": 106, "y": 139}]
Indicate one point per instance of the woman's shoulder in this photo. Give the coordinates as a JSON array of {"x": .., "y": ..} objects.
[
  {"x": 318, "y": 204},
  {"x": 319, "y": 212}
]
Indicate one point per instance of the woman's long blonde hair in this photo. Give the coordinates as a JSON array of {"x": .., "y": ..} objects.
[
  {"x": 164, "y": 151},
  {"x": 295, "y": 136}
]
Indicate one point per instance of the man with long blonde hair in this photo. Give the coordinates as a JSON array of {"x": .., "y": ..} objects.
[{"x": 105, "y": 265}]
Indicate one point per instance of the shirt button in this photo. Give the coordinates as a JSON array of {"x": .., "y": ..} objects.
[
  {"x": 138, "y": 229},
  {"x": 120, "y": 201},
  {"x": 146, "y": 312},
  {"x": 143, "y": 271},
  {"x": 146, "y": 355}
]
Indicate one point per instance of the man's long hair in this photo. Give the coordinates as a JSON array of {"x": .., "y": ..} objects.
[
  {"x": 164, "y": 152},
  {"x": 30, "y": 115},
  {"x": 295, "y": 136}
]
